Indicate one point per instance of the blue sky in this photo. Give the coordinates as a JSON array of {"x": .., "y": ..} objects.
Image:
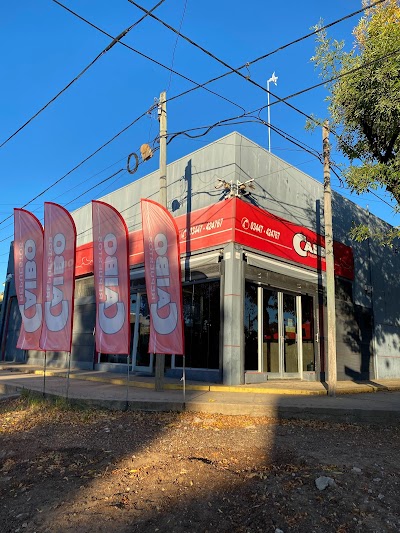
[{"x": 45, "y": 47}]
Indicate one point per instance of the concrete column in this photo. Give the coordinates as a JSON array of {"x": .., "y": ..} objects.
[{"x": 232, "y": 316}]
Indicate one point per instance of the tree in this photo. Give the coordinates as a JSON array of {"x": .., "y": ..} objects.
[{"x": 364, "y": 101}]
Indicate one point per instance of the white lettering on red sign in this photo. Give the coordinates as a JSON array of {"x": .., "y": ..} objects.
[
  {"x": 55, "y": 273},
  {"x": 29, "y": 284},
  {"x": 304, "y": 247},
  {"x": 164, "y": 325},
  {"x": 107, "y": 279},
  {"x": 199, "y": 228},
  {"x": 260, "y": 229}
]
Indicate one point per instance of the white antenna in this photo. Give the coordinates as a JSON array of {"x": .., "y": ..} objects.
[{"x": 274, "y": 79}]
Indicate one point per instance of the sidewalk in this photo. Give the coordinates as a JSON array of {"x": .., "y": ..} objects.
[{"x": 294, "y": 399}]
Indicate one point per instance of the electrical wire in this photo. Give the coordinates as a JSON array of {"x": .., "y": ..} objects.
[
  {"x": 81, "y": 163},
  {"x": 176, "y": 44},
  {"x": 335, "y": 78},
  {"x": 149, "y": 58},
  {"x": 237, "y": 70},
  {"x": 221, "y": 61},
  {"x": 103, "y": 52},
  {"x": 299, "y": 144},
  {"x": 68, "y": 190}
]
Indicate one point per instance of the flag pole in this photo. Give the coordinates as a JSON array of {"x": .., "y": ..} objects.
[
  {"x": 274, "y": 79},
  {"x": 127, "y": 385},
  {"x": 184, "y": 382},
  {"x": 44, "y": 373},
  {"x": 68, "y": 373}
]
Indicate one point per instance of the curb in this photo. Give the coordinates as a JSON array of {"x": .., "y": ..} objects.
[{"x": 277, "y": 412}]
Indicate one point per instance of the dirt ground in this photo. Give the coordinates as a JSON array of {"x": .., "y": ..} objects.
[{"x": 67, "y": 470}]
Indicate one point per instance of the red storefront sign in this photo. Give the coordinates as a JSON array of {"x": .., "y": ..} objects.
[
  {"x": 265, "y": 232},
  {"x": 238, "y": 221}
]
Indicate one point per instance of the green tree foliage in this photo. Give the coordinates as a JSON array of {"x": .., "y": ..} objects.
[{"x": 364, "y": 101}]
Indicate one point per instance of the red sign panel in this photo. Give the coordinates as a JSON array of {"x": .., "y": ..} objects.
[
  {"x": 111, "y": 279},
  {"x": 262, "y": 231},
  {"x": 58, "y": 278},
  {"x": 236, "y": 220},
  {"x": 28, "y": 264},
  {"x": 163, "y": 279}
]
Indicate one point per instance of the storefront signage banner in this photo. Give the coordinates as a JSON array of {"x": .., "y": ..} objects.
[
  {"x": 163, "y": 279},
  {"x": 58, "y": 278},
  {"x": 241, "y": 222},
  {"x": 263, "y": 231},
  {"x": 111, "y": 279},
  {"x": 28, "y": 264}
]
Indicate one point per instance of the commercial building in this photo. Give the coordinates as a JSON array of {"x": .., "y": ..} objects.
[{"x": 253, "y": 279}]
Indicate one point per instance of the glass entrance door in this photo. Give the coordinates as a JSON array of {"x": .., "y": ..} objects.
[
  {"x": 280, "y": 340},
  {"x": 140, "y": 321},
  {"x": 286, "y": 335},
  {"x": 290, "y": 345}
]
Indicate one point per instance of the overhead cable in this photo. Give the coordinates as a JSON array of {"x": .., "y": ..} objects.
[
  {"x": 103, "y": 52},
  {"x": 237, "y": 70},
  {"x": 149, "y": 58}
]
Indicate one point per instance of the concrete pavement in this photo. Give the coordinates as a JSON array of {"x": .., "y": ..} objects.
[{"x": 295, "y": 399}]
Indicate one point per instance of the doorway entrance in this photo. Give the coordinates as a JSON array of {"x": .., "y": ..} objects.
[
  {"x": 279, "y": 332},
  {"x": 142, "y": 360}
]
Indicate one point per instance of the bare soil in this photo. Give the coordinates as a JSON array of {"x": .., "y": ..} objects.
[{"x": 66, "y": 470}]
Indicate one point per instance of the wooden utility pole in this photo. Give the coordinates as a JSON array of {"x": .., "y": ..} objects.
[
  {"x": 330, "y": 266},
  {"x": 162, "y": 117}
]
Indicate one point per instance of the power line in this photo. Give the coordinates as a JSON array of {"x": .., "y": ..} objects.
[
  {"x": 68, "y": 190},
  {"x": 338, "y": 77},
  {"x": 82, "y": 162},
  {"x": 280, "y": 132},
  {"x": 222, "y": 62},
  {"x": 317, "y": 30},
  {"x": 103, "y": 52},
  {"x": 94, "y": 187},
  {"x": 237, "y": 71},
  {"x": 311, "y": 34},
  {"x": 176, "y": 44},
  {"x": 149, "y": 58}
]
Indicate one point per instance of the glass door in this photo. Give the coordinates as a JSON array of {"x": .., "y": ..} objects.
[
  {"x": 279, "y": 330},
  {"x": 271, "y": 332},
  {"x": 281, "y": 347},
  {"x": 289, "y": 345},
  {"x": 140, "y": 320}
]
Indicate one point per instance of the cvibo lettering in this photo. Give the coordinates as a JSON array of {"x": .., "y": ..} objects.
[
  {"x": 55, "y": 272},
  {"x": 113, "y": 324},
  {"x": 30, "y": 284},
  {"x": 304, "y": 247},
  {"x": 167, "y": 324}
]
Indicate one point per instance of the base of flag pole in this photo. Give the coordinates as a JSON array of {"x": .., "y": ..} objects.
[
  {"x": 127, "y": 386},
  {"x": 68, "y": 373},
  {"x": 44, "y": 374},
  {"x": 184, "y": 382}
]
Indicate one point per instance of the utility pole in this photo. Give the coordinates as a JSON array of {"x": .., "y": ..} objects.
[
  {"x": 330, "y": 265},
  {"x": 162, "y": 117}
]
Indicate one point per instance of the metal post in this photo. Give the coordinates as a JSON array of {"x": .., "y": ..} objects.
[
  {"x": 274, "y": 79},
  {"x": 330, "y": 267},
  {"x": 69, "y": 371},
  {"x": 44, "y": 373},
  {"x": 184, "y": 381},
  {"x": 162, "y": 110},
  {"x": 269, "y": 119},
  {"x": 127, "y": 385}
]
